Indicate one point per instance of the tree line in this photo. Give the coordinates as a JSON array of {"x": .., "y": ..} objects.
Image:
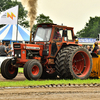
[{"x": 91, "y": 29}]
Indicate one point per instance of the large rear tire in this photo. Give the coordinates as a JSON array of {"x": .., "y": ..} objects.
[
  {"x": 7, "y": 70},
  {"x": 74, "y": 62}
]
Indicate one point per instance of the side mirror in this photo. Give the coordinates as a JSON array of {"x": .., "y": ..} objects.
[
  {"x": 64, "y": 33},
  {"x": 74, "y": 37}
]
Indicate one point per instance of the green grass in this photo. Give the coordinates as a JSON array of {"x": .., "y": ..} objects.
[
  {"x": 46, "y": 82},
  {"x": 20, "y": 70}
]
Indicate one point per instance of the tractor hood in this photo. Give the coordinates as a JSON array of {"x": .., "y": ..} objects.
[{"x": 28, "y": 46}]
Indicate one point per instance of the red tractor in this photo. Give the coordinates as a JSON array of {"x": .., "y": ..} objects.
[{"x": 54, "y": 52}]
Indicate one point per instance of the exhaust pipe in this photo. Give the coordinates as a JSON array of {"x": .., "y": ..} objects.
[{"x": 30, "y": 35}]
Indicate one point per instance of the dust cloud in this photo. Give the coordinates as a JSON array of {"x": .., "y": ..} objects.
[{"x": 31, "y": 6}]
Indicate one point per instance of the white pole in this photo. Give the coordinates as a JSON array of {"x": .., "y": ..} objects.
[{"x": 17, "y": 27}]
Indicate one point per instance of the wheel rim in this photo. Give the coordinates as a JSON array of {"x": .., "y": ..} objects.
[
  {"x": 35, "y": 70},
  {"x": 11, "y": 69},
  {"x": 81, "y": 63}
]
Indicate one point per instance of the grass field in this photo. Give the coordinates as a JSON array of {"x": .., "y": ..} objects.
[
  {"x": 47, "y": 82},
  {"x": 20, "y": 70}
]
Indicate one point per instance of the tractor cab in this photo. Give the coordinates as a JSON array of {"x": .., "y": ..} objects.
[
  {"x": 48, "y": 33},
  {"x": 53, "y": 37}
]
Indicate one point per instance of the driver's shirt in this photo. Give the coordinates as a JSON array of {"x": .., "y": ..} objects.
[
  {"x": 57, "y": 35},
  {"x": 2, "y": 50}
]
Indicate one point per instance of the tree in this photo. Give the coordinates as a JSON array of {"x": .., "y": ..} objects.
[
  {"x": 91, "y": 29},
  {"x": 22, "y": 13},
  {"x": 42, "y": 19}
]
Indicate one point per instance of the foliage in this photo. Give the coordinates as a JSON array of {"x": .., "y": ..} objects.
[
  {"x": 22, "y": 14},
  {"x": 42, "y": 19},
  {"x": 91, "y": 29}
]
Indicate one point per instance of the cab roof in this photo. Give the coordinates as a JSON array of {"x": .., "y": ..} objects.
[{"x": 52, "y": 24}]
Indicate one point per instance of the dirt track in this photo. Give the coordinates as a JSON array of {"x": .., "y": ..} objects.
[
  {"x": 66, "y": 93},
  {"x": 19, "y": 77},
  {"x": 51, "y": 94}
]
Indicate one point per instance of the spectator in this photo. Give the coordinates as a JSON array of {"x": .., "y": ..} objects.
[
  {"x": 91, "y": 48},
  {"x": 9, "y": 50},
  {"x": 3, "y": 51},
  {"x": 57, "y": 35},
  {"x": 88, "y": 47},
  {"x": 95, "y": 50},
  {"x": 99, "y": 50}
]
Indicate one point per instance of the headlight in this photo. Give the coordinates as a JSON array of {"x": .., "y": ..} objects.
[
  {"x": 15, "y": 55},
  {"x": 19, "y": 55}
]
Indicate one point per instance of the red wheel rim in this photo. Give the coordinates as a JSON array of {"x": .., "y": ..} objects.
[
  {"x": 81, "y": 63},
  {"x": 11, "y": 69},
  {"x": 35, "y": 70}
]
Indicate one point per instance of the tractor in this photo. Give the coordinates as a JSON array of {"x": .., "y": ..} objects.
[{"x": 47, "y": 57}]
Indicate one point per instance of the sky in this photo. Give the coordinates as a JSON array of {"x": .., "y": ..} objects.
[{"x": 72, "y": 13}]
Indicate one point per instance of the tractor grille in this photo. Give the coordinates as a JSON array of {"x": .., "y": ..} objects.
[{"x": 17, "y": 53}]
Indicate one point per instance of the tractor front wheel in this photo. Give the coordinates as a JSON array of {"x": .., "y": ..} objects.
[
  {"x": 25, "y": 69},
  {"x": 33, "y": 70},
  {"x": 7, "y": 70}
]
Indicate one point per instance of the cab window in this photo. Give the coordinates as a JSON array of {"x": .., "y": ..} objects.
[{"x": 69, "y": 35}]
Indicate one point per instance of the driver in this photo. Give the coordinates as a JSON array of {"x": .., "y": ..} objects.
[{"x": 57, "y": 35}]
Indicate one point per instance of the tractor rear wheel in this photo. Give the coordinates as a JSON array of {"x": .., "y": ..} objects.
[
  {"x": 74, "y": 62},
  {"x": 7, "y": 70},
  {"x": 33, "y": 70}
]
